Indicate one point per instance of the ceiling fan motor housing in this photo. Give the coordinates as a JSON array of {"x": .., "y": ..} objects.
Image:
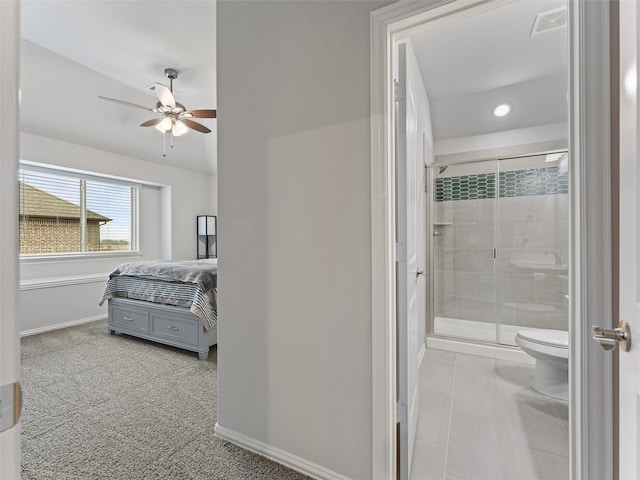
[{"x": 171, "y": 73}]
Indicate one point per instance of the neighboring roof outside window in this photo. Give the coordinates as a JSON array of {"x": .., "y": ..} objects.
[{"x": 38, "y": 203}]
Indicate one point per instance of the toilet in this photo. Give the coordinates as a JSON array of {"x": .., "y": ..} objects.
[{"x": 550, "y": 348}]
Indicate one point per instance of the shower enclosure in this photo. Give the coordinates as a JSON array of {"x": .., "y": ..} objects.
[{"x": 499, "y": 247}]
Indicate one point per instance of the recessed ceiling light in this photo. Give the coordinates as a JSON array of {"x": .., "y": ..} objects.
[{"x": 502, "y": 110}]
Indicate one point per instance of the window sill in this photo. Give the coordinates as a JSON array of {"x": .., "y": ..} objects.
[{"x": 65, "y": 257}]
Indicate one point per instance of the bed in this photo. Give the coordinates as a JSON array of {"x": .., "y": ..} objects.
[{"x": 170, "y": 302}]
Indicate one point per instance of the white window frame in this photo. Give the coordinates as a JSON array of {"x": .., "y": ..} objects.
[{"x": 97, "y": 177}]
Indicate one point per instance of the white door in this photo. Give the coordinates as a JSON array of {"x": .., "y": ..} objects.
[
  {"x": 409, "y": 174},
  {"x": 9, "y": 343},
  {"x": 629, "y": 370}
]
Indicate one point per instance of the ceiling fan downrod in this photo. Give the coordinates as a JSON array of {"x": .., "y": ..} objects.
[{"x": 171, "y": 74}]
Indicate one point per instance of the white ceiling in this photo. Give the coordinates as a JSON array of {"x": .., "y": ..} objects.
[
  {"x": 74, "y": 51},
  {"x": 471, "y": 65}
]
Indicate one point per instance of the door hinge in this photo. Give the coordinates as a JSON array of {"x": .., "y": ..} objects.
[
  {"x": 401, "y": 252},
  {"x": 401, "y": 413},
  {"x": 426, "y": 179},
  {"x": 399, "y": 91},
  {"x": 10, "y": 405}
]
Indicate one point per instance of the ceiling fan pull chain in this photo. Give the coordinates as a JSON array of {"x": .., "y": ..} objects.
[{"x": 164, "y": 144}]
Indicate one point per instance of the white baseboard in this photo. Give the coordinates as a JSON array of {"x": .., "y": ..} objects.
[
  {"x": 280, "y": 456},
  {"x": 58, "y": 326}
]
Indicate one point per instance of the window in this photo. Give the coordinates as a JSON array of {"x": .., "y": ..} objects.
[{"x": 64, "y": 212}]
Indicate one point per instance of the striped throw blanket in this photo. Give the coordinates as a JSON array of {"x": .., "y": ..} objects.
[{"x": 191, "y": 284}]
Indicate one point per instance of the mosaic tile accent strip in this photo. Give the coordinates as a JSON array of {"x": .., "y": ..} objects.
[
  {"x": 537, "y": 181},
  {"x": 517, "y": 183},
  {"x": 466, "y": 187}
]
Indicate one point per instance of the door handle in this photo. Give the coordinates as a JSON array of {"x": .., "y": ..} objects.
[
  {"x": 419, "y": 272},
  {"x": 609, "y": 338}
]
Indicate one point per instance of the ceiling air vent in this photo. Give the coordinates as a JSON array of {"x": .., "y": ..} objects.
[{"x": 549, "y": 21}]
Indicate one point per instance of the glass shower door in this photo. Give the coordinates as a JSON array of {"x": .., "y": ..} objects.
[
  {"x": 499, "y": 247},
  {"x": 463, "y": 251},
  {"x": 533, "y": 244}
]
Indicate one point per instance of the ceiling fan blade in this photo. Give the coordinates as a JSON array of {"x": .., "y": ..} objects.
[
  {"x": 129, "y": 104},
  {"x": 195, "y": 125},
  {"x": 164, "y": 95},
  {"x": 151, "y": 123},
  {"x": 201, "y": 113}
]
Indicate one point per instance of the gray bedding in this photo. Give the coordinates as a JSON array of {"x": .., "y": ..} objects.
[{"x": 191, "y": 284}]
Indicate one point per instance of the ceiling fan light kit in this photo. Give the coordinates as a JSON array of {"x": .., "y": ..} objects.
[
  {"x": 178, "y": 128},
  {"x": 174, "y": 117}
]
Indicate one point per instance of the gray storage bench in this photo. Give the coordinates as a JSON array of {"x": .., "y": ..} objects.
[{"x": 167, "y": 324}]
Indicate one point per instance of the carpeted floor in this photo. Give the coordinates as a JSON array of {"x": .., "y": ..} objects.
[{"x": 101, "y": 406}]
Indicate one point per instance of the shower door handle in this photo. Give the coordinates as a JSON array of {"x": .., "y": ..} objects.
[{"x": 609, "y": 338}]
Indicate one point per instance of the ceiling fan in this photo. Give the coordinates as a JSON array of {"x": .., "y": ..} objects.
[{"x": 173, "y": 116}]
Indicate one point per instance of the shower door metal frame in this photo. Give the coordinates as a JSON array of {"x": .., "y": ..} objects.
[{"x": 430, "y": 247}]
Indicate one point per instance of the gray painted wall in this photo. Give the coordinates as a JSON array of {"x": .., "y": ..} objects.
[{"x": 294, "y": 209}]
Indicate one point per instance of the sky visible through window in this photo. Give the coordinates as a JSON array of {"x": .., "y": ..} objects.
[{"x": 114, "y": 202}]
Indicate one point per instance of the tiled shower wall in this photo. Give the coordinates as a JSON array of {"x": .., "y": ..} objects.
[{"x": 527, "y": 284}]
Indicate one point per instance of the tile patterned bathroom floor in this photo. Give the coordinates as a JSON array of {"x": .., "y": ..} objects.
[{"x": 480, "y": 419}]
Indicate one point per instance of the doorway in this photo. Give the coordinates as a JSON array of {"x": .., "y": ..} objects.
[{"x": 589, "y": 227}]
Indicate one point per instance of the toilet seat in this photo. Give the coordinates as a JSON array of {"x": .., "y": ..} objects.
[
  {"x": 552, "y": 343},
  {"x": 550, "y": 338},
  {"x": 550, "y": 348}
]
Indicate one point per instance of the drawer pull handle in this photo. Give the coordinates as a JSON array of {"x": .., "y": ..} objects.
[
  {"x": 171, "y": 327},
  {"x": 130, "y": 319}
]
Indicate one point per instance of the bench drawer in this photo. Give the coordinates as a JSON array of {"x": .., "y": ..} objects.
[
  {"x": 176, "y": 329},
  {"x": 130, "y": 319}
]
